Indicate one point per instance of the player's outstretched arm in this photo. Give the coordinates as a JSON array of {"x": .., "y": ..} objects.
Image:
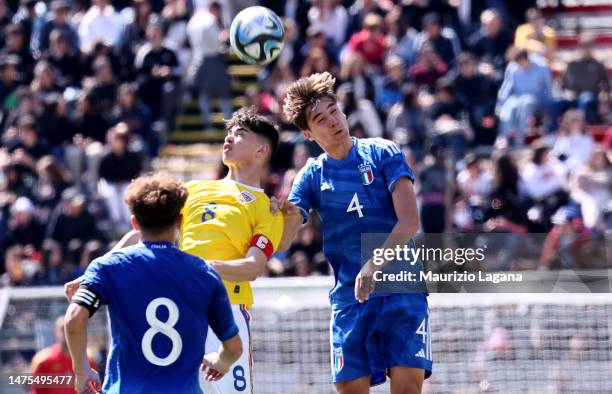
[
  {"x": 87, "y": 379},
  {"x": 218, "y": 363},
  {"x": 129, "y": 239},
  {"x": 404, "y": 204},
  {"x": 292, "y": 221},
  {"x": 247, "y": 269}
]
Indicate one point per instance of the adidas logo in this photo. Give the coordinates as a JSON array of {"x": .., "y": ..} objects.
[{"x": 420, "y": 353}]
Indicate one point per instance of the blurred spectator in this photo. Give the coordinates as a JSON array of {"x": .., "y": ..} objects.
[
  {"x": 315, "y": 42},
  {"x": 535, "y": 36},
  {"x": 20, "y": 269},
  {"x": 53, "y": 179},
  {"x": 157, "y": 70},
  {"x": 354, "y": 71},
  {"x": 55, "y": 359},
  {"x": 137, "y": 116},
  {"x": 584, "y": 79},
  {"x": 473, "y": 181},
  {"x": 565, "y": 243},
  {"x": 331, "y": 18},
  {"x": 443, "y": 40},
  {"x": 207, "y": 71},
  {"x": 545, "y": 184},
  {"x": 55, "y": 271},
  {"x": 60, "y": 21},
  {"x": 590, "y": 187},
  {"x": 24, "y": 228},
  {"x": 17, "y": 44},
  {"x": 176, "y": 14},
  {"x": 317, "y": 61},
  {"x": 55, "y": 124},
  {"x": 118, "y": 168},
  {"x": 71, "y": 221},
  {"x": 44, "y": 82},
  {"x": 8, "y": 82},
  {"x": 100, "y": 23},
  {"x": 64, "y": 60},
  {"x": 359, "y": 111},
  {"x": 392, "y": 84},
  {"x": 84, "y": 154},
  {"x": 432, "y": 191},
  {"x": 505, "y": 211},
  {"x": 28, "y": 139},
  {"x": 134, "y": 34},
  {"x": 103, "y": 86},
  {"x": 5, "y": 18},
  {"x": 525, "y": 93},
  {"x": 370, "y": 41},
  {"x": 476, "y": 96},
  {"x": 91, "y": 251},
  {"x": 573, "y": 145},
  {"x": 27, "y": 19},
  {"x": 406, "y": 122},
  {"x": 428, "y": 68},
  {"x": 357, "y": 12},
  {"x": 491, "y": 43},
  {"x": 405, "y": 45},
  {"x": 19, "y": 177}
]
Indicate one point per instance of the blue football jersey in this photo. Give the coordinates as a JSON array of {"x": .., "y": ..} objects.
[
  {"x": 352, "y": 196},
  {"x": 160, "y": 303}
]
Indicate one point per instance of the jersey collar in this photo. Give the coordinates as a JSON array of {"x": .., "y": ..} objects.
[
  {"x": 348, "y": 159},
  {"x": 158, "y": 245}
]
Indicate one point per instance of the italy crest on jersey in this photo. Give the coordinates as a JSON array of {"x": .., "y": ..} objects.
[
  {"x": 367, "y": 176},
  {"x": 338, "y": 359}
]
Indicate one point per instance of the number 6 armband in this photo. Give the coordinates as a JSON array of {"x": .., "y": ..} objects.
[{"x": 87, "y": 298}]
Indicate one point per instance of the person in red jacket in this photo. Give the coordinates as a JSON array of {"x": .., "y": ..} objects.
[{"x": 55, "y": 359}]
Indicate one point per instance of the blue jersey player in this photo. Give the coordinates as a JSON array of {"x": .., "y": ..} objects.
[
  {"x": 360, "y": 186},
  {"x": 160, "y": 303}
]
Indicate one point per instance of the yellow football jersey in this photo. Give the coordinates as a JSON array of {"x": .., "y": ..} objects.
[{"x": 220, "y": 220}]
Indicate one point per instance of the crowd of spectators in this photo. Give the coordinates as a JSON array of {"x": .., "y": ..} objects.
[{"x": 497, "y": 140}]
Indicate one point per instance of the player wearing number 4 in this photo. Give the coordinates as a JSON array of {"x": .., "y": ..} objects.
[
  {"x": 360, "y": 186},
  {"x": 161, "y": 302}
]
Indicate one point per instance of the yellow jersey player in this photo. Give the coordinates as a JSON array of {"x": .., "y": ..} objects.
[{"x": 228, "y": 223}]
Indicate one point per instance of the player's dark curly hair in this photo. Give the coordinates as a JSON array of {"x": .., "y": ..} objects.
[
  {"x": 260, "y": 125},
  {"x": 303, "y": 93},
  {"x": 156, "y": 201}
]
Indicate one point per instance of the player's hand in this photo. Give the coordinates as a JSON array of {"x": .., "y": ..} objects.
[
  {"x": 71, "y": 287},
  {"x": 214, "y": 367},
  {"x": 284, "y": 206},
  {"x": 88, "y": 382},
  {"x": 364, "y": 283}
]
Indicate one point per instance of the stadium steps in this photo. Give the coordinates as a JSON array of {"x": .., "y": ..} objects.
[{"x": 189, "y": 127}]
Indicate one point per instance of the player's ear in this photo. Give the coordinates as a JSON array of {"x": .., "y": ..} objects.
[
  {"x": 308, "y": 135},
  {"x": 263, "y": 150},
  {"x": 134, "y": 222}
]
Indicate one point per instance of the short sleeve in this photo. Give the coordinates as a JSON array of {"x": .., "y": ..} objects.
[
  {"x": 301, "y": 192},
  {"x": 220, "y": 316},
  {"x": 93, "y": 279},
  {"x": 393, "y": 165}
]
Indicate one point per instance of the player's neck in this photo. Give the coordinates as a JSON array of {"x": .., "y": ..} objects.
[
  {"x": 340, "y": 151},
  {"x": 247, "y": 175},
  {"x": 166, "y": 236}
]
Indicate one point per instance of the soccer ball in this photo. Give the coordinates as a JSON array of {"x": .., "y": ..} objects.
[{"x": 256, "y": 35}]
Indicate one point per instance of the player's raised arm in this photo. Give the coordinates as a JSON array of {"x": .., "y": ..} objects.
[{"x": 292, "y": 220}]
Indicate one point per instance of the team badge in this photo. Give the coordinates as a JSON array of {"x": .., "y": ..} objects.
[
  {"x": 338, "y": 359},
  {"x": 246, "y": 197},
  {"x": 367, "y": 176}
]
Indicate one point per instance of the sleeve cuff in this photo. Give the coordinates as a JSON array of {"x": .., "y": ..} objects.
[{"x": 398, "y": 177}]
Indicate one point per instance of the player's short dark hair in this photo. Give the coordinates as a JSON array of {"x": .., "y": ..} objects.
[
  {"x": 156, "y": 201},
  {"x": 260, "y": 125},
  {"x": 303, "y": 93}
]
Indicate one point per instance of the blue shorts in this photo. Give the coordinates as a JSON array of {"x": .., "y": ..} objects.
[{"x": 384, "y": 332}]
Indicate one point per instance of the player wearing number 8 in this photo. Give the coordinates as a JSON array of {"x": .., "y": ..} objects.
[
  {"x": 360, "y": 186},
  {"x": 161, "y": 302}
]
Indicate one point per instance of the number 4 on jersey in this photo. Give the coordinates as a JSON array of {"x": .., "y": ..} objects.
[{"x": 355, "y": 206}]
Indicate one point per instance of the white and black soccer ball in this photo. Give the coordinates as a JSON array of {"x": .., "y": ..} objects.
[{"x": 256, "y": 35}]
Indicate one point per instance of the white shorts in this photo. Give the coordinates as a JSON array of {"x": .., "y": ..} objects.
[{"x": 239, "y": 379}]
